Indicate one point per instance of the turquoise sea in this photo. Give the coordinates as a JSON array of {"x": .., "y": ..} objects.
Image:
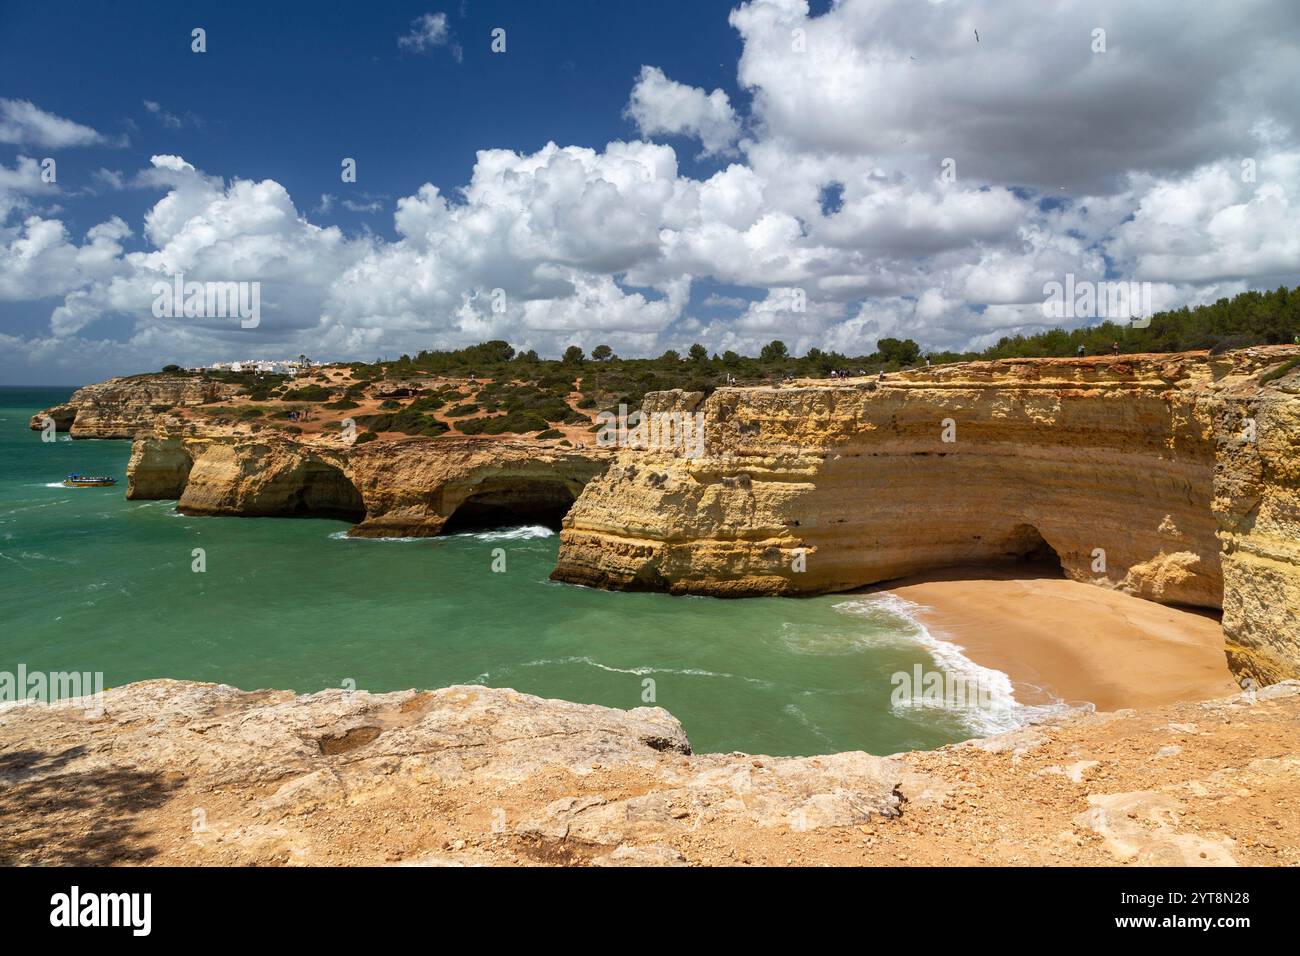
[{"x": 92, "y": 582}]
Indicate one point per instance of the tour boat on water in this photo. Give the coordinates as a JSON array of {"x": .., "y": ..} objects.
[{"x": 88, "y": 481}]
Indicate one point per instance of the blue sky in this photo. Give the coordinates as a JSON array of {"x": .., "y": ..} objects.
[
  {"x": 732, "y": 125},
  {"x": 286, "y": 89}
]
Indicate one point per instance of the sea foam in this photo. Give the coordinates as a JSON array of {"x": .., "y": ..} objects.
[
  {"x": 1000, "y": 711},
  {"x": 344, "y": 536},
  {"x": 644, "y": 670},
  {"x": 525, "y": 533}
]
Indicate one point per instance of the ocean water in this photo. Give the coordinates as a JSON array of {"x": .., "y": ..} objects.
[{"x": 92, "y": 582}]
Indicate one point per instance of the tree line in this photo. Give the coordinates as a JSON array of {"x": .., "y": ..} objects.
[{"x": 1250, "y": 318}]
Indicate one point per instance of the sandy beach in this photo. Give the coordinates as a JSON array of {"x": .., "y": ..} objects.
[{"x": 1060, "y": 639}]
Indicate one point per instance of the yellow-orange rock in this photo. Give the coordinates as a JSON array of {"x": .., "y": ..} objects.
[
  {"x": 391, "y": 488},
  {"x": 1131, "y": 469},
  {"x": 129, "y": 407}
]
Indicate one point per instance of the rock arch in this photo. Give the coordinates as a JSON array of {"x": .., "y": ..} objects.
[
  {"x": 325, "y": 492},
  {"x": 519, "y": 500}
]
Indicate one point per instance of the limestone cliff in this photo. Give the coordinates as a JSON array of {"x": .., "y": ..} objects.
[
  {"x": 1138, "y": 472},
  {"x": 128, "y": 407},
  {"x": 1257, "y": 503},
  {"x": 1172, "y": 477},
  {"x": 390, "y": 488}
]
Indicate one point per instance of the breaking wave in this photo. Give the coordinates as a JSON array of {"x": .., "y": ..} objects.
[{"x": 995, "y": 709}]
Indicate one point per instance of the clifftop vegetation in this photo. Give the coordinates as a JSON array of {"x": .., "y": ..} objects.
[{"x": 492, "y": 389}]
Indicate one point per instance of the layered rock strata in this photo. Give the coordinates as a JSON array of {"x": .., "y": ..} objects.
[
  {"x": 1172, "y": 477},
  {"x": 129, "y": 407},
  {"x": 390, "y": 488},
  {"x": 1257, "y": 504}
]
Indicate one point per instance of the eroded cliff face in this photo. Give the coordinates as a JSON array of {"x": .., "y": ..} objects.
[
  {"x": 390, "y": 488},
  {"x": 415, "y": 488},
  {"x": 129, "y": 407},
  {"x": 1130, "y": 469},
  {"x": 1172, "y": 477},
  {"x": 1257, "y": 503}
]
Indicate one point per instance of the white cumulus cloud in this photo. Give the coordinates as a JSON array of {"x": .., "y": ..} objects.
[
  {"x": 662, "y": 106},
  {"x": 25, "y": 124}
]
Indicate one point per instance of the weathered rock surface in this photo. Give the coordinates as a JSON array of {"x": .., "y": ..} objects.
[
  {"x": 415, "y": 488},
  {"x": 391, "y": 488},
  {"x": 1140, "y": 473},
  {"x": 129, "y": 407},
  {"x": 1257, "y": 503},
  {"x": 158, "y": 468},
  {"x": 174, "y": 772},
  {"x": 288, "y": 758}
]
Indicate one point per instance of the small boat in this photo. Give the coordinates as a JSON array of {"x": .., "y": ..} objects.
[{"x": 88, "y": 481}]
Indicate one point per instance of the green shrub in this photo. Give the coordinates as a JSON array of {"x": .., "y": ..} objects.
[
  {"x": 1278, "y": 372},
  {"x": 429, "y": 403},
  {"x": 407, "y": 422},
  {"x": 308, "y": 393},
  {"x": 511, "y": 423}
]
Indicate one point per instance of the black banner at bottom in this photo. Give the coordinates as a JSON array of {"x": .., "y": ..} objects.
[{"x": 336, "y": 905}]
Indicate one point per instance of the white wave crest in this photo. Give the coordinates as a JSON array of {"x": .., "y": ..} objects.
[
  {"x": 344, "y": 536},
  {"x": 643, "y": 671},
  {"x": 525, "y": 533},
  {"x": 993, "y": 710}
]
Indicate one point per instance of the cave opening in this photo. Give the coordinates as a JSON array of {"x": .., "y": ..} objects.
[
  {"x": 325, "y": 492},
  {"x": 512, "y": 505},
  {"x": 1026, "y": 546}
]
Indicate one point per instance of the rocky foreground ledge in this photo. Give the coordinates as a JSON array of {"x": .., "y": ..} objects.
[{"x": 174, "y": 772}]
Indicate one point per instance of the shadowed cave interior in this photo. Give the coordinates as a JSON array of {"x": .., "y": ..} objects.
[
  {"x": 1027, "y": 546},
  {"x": 326, "y": 492},
  {"x": 526, "y": 502}
]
